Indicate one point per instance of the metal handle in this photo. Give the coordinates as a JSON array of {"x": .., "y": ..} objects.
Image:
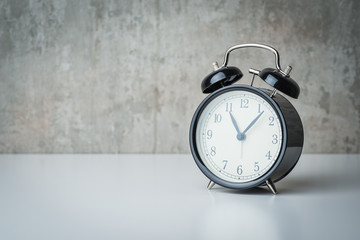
[{"x": 256, "y": 45}]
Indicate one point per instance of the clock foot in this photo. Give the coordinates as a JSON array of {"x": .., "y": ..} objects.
[
  {"x": 210, "y": 185},
  {"x": 271, "y": 186}
]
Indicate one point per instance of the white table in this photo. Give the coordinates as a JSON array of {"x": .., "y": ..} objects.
[{"x": 165, "y": 197}]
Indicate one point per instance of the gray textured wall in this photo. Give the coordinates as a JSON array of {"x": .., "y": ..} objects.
[{"x": 124, "y": 76}]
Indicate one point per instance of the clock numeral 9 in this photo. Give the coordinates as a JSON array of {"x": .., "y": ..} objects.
[
  {"x": 239, "y": 170},
  {"x": 209, "y": 134},
  {"x": 213, "y": 151},
  {"x": 244, "y": 103},
  {"x": 275, "y": 139},
  {"x": 218, "y": 118}
]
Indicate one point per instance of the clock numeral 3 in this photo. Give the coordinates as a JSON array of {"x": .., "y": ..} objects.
[{"x": 275, "y": 139}]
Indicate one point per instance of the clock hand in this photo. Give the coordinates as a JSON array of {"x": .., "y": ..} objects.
[
  {"x": 240, "y": 136},
  {"x": 234, "y": 123},
  {"x": 252, "y": 123}
]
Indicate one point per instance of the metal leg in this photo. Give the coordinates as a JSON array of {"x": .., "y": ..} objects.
[
  {"x": 271, "y": 186},
  {"x": 210, "y": 185}
]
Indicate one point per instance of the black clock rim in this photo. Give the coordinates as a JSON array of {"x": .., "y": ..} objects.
[{"x": 192, "y": 135}]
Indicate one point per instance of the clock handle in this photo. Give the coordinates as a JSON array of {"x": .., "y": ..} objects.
[{"x": 257, "y": 45}]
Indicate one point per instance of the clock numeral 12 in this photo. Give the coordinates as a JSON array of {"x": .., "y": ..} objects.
[{"x": 244, "y": 103}]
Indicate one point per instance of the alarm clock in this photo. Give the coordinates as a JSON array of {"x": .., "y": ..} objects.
[{"x": 242, "y": 136}]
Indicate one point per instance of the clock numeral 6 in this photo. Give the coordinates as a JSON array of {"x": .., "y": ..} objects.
[
  {"x": 218, "y": 118},
  {"x": 239, "y": 170}
]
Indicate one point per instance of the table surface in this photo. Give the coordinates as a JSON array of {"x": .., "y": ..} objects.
[{"x": 165, "y": 197}]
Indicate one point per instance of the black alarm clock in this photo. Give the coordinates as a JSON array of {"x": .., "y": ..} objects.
[{"x": 242, "y": 136}]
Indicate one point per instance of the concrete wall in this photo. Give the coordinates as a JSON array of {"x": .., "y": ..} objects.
[{"x": 124, "y": 76}]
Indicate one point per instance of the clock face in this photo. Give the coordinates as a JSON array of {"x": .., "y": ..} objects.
[{"x": 239, "y": 135}]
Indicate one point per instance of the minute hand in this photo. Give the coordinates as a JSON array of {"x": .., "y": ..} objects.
[{"x": 252, "y": 123}]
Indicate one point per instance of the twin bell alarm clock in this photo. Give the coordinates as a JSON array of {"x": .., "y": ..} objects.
[{"x": 242, "y": 136}]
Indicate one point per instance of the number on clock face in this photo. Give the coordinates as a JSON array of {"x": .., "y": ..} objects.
[{"x": 239, "y": 136}]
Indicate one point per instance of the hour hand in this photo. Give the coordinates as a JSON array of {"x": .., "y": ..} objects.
[{"x": 235, "y": 124}]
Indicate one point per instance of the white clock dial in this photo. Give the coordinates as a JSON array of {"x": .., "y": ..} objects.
[{"x": 239, "y": 136}]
